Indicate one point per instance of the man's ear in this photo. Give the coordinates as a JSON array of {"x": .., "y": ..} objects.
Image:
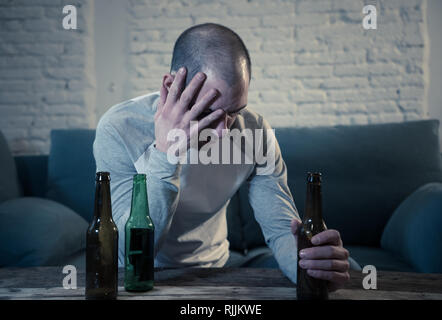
[{"x": 168, "y": 80}]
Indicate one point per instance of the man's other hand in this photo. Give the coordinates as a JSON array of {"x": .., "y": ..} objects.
[{"x": 327, "y": 260}]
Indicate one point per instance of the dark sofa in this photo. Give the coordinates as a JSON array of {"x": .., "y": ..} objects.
[{"x": 382, "y": 189}]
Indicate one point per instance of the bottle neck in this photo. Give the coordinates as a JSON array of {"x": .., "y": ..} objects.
[
  {"x": 139, "y": 207},
  {"x": 103, "y": 208},
  {"x": 313, "y": 203}
]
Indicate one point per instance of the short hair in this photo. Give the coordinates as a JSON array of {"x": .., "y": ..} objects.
[{"x": 211, "y": 46}]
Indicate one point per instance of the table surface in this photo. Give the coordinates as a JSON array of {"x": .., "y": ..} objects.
[{"x": 217, "y": 283}]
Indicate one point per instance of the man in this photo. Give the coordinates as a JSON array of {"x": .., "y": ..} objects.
[{"x": 208, "y": 83}]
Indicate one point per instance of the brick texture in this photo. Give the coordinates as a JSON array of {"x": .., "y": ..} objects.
[
  {"x": 45, "y": 72},
  {"x": 313, "y": 63}
]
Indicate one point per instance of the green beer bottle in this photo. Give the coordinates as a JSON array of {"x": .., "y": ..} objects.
[
  {"x": 139, "y": 233},
  {"x": 102, "y": 245}
]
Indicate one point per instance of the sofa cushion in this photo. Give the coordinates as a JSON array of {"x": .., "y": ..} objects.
[
  {"x": 33, "y": 174},
  {"x": 78, "y": 259},
  {"x": 9, "y": 185},
  {"x": 368, "y": 170},
  {"x": 71, "y": 170},
  {"x": 380, "y": 258},
  {"x": 39, "y": 232},
  {"x": 415, "y": 229}
]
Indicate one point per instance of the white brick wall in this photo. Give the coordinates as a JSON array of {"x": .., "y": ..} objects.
[
  {"x": 313, "y": 63},
  {"x": 45, "y": 78}
]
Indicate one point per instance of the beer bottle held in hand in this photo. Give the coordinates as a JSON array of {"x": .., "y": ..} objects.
[
  {"x": 309, "y": 288},
  {"x": 139, "y": 233},
  {"x": 102, "y": 245}
]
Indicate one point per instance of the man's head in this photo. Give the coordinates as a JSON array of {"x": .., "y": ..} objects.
[
  {"x": 222, "y": 56},
  {"x": 212, "y": 47}
]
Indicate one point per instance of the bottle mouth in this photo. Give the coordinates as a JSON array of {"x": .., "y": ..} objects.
[
  {"x": 314, "y": 177},
  {"x": 139, "y": 177},
  {"x": 102, "y": 176}
]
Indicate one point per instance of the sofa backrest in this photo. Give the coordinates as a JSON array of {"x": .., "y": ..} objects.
[
  {"x": 9, "y": 182},
  {"x": 32, "y": 173},
  {"x": 71, "y": 170},
  {"x": 368, "y": 170}
]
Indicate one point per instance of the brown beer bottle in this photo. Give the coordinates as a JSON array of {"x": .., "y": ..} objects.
[
  {"x": 307, "y": 287},
  {"x": 102, "y": 245}
]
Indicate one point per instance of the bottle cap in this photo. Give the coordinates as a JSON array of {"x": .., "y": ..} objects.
[
  {"x": 139, "y": 177},
  {"x": 314, "y": 177},
  {"x": 102, "y": 176}
]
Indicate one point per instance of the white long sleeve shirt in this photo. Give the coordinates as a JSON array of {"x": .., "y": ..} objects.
[{"x": 187, "y": 202}]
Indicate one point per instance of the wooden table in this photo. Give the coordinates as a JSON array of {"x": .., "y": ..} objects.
[{"x": 216, "y": 283}]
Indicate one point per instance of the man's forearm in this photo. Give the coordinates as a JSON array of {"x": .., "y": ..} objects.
[
  {"x": 285, "y": 250},
  {"x": 274, "y": 209},
  {"x": 163, "y": 187}
]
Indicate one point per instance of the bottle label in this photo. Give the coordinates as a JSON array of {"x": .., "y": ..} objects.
[{"x": 141, "y": 253}]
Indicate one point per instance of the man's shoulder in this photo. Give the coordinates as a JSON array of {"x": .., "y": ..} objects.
[
  {"x": 134, "y": 113},
  {"x": 128, "y": 126},
  {"x": 249, "y": 119}
]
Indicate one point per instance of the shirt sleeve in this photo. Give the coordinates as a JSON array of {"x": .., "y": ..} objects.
[
  {"x": 273, "y": 205},
  {"x": 111, "y": 155}
]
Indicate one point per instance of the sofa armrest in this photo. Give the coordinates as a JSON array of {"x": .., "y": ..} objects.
[
  {"x": 33, "y": 174},
  {"x": 414, "y": 231}
]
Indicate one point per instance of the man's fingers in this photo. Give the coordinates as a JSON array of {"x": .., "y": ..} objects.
[
  {"x": 331, "y": 237},
  {"x": 324, "y": 252},
  {"x": 197, "y": 126},
  {"x": 161, "y": 100},
  {"x": 207, "y": 120},
  {"x": 295, "y": 226},
  {"x": 202, "y": 105},
  {"x": 163, "y": 94},
  {"x": 333, "y": 276},
  {"x": 177, "y": 87},
  {"x": 327, "y": 264},
  {"x": 191, "y": 91}
]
